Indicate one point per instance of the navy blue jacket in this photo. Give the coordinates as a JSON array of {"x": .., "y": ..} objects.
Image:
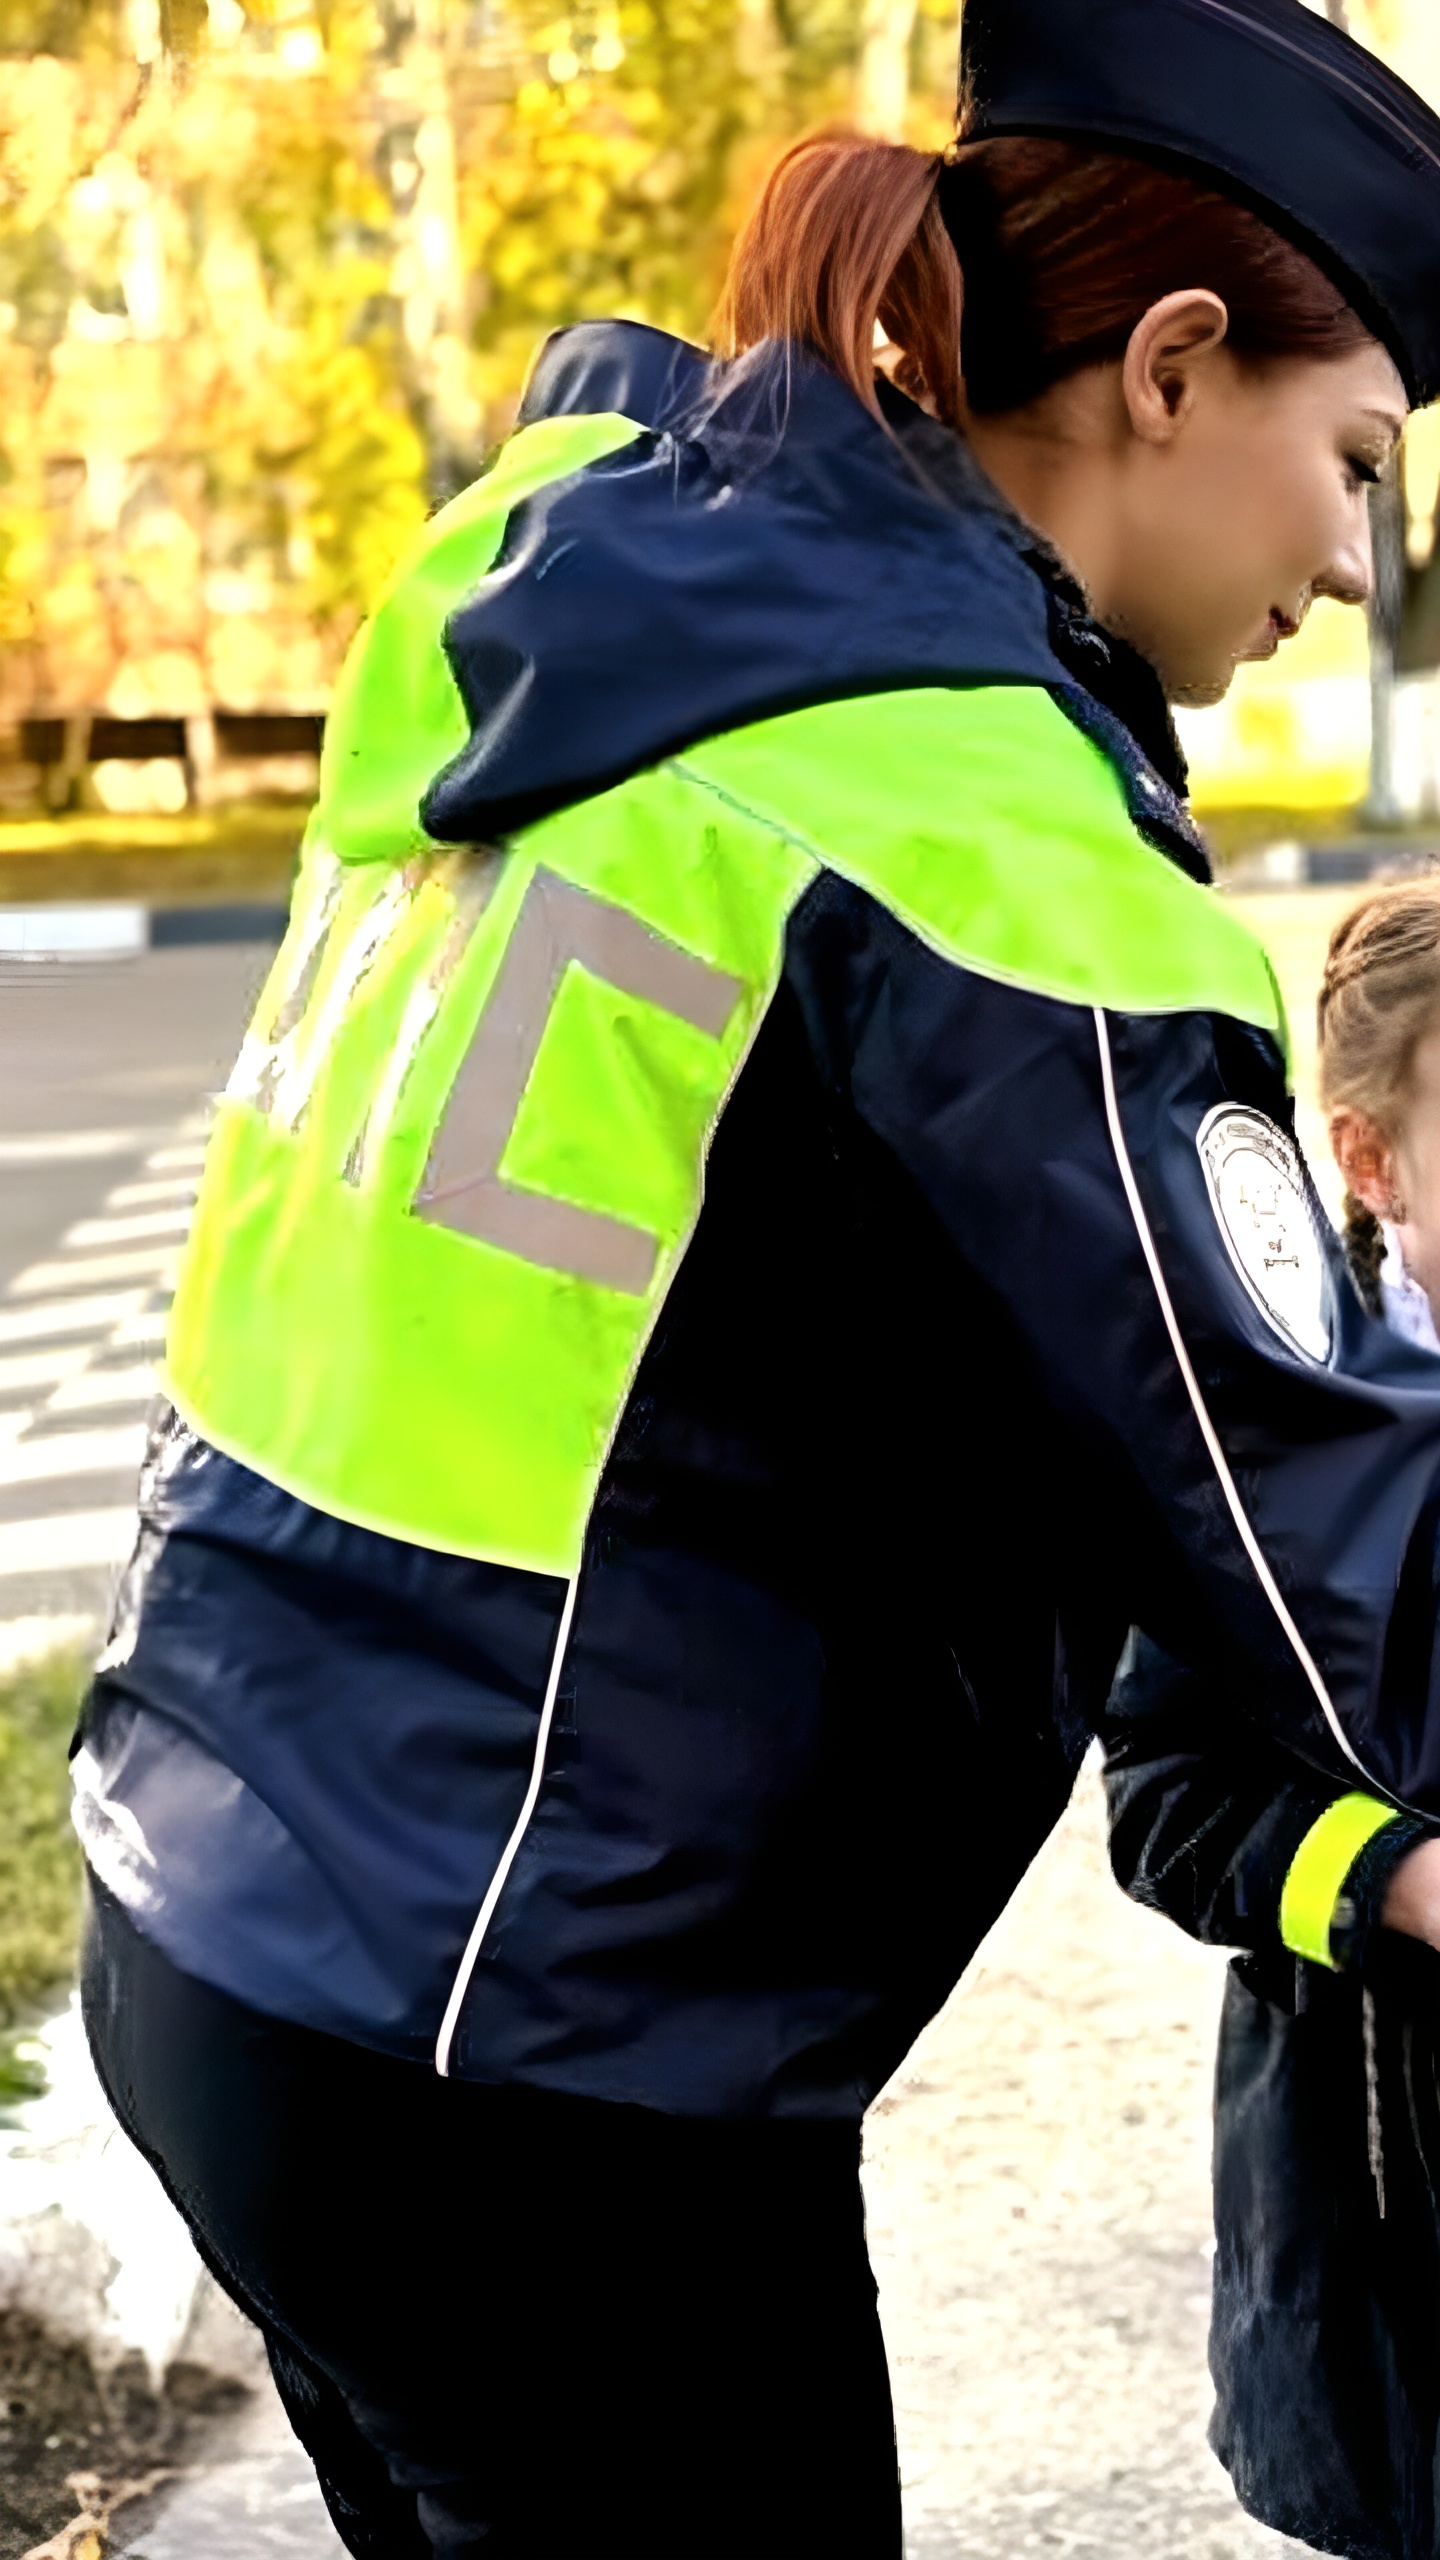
[{"x": 908, "y": 1452}]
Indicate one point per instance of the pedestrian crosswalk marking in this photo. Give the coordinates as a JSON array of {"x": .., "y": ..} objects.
[
  {"x": 68, "y": 1542},
  {"x": 142, "y": 1195},
  {"x": 22, "y": 1370},
  {"x": 144, "y": 1226},
  {"x": 94, "y": 1388},
  {"x": 139, "y": 1333},
  {"x": 114, "y": 1451},
  {"x": 74, "y": 1146},
  {"x": 70, "y": 1315},
  {"x": 47, "y": 1278},
  {"x": 76, "y": 1354}
]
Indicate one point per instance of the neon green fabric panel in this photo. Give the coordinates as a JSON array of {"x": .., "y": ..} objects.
[
  {"x": 397, "y": 716},
  {"x": 1000, "y": 834},
  {"x": 463, "y": 1149},
  {"x": 1319, "y": 1869},
  {"x": 331, "y": 1328}
]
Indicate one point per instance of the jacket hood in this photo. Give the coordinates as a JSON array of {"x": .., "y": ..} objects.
[{"x": 762, "y": 545}]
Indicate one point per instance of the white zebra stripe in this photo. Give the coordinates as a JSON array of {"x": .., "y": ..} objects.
[
  {"x": 28, "y": 1369},
  {"x": 71, "y": 1315},
  {"x": 55, "y": 1454},
  {"x": 92, "y": 1389},
  {"x": 51, "y": 1279},
  {"x": 64, "y": 1340},
  {"x": 75, "y": 1146},
  {"x": 144, "y": 1195},
  {"x": 146, "y": 1225},
  {"x": 70, "y": 1541}
]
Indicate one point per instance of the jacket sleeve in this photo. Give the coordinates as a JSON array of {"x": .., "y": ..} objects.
[
  {"x": 1236, "y": 1460},
  {"x": 1234, "y": 1840}
]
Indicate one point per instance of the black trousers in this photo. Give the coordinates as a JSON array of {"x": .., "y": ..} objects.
[{"x": 510, "y": 2323}]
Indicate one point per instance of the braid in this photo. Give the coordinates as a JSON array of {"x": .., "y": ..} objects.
[
  {"x": 1379, "y": 999},
  {"x": 1364, "y": 1242},
  {"x": 1379, "y": 996}
]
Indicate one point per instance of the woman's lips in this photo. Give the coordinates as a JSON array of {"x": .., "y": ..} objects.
[{"x": 1278, "y": 626}]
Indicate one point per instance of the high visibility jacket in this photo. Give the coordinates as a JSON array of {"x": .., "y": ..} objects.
[{"x": 755, "y": 1233}]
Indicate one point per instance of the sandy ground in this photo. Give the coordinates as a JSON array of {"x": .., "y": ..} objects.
[{"x": 1040, "y": 2224}]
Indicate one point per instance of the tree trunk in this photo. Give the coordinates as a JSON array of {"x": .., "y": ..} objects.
[
  {"x": 415, "y": 156},
  {"x": 882, "y": 85}
]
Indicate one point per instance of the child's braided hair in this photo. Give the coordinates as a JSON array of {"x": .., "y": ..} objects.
[{"x": 1379, "y": 996}]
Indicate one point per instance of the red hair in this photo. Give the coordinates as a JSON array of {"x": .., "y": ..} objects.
[{"x": 1063, "y": 250}]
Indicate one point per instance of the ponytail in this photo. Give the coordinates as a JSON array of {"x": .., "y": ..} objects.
[
  {"x": 848, "y": 233},
  {"x": 1379, "y": 998},
  {"x": 1063, "y": 250},
  {"x": 1364, "y": 1242}
]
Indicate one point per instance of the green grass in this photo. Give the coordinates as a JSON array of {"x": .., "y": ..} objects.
[
  {"x": 1233, "y": 832},
  {"x": 191, "y": 859},
  {"x": 279, "y": 822},
  {"x": 40, "y": 1868}
]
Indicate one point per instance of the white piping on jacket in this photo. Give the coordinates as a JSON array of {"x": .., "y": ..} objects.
[
  {"x": 1220, "y": 1462},
  {"x": 486, "y": 1914}
]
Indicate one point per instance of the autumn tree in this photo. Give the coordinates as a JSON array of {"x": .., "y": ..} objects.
[{"x": 271, "y": 273}]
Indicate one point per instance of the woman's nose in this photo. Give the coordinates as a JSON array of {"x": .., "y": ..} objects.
[{"x": 1350, "y": 577}]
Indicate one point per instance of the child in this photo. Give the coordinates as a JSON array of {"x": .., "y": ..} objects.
[
  {"x": 1380, "y": 1084},
  {"x": 1325, "y": 2338}
]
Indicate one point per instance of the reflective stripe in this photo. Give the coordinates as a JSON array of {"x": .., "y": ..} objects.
[
  {"x": 1319, "y": 1869},
  {"x": 1208, "y": 1433},
  {"x": 556, "y": 923},
  {"x": 441, "y": 1213},
  {"x": 510, "y": 1852},
  {"x": 446, "y": 1198},
  {"x": 463, "y": 1154}
]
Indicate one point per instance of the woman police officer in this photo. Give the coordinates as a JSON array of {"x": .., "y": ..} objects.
[{"x": 754, "y": 1234}]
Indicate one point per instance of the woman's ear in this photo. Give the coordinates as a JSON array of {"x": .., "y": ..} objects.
[
  {"x": 1366, "y": 1159},
  {"x": 1167, "y": 351}
]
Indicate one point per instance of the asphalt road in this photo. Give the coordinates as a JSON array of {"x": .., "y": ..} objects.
[
  {"x": 107, "y": 1069},
  {"x": 107, "y": 1073}
]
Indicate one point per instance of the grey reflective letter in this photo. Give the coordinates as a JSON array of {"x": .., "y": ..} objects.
[{"x": 463, "y": 1187}]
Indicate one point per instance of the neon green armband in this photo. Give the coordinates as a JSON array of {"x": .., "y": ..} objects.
[{"x": 1318, "y": 1871}]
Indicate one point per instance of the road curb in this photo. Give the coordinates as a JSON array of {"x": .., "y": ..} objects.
[
  {"x": 1343, "y": 863},
  {"x": 104, "y": 930}
]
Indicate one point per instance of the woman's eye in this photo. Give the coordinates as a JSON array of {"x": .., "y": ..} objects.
[{"x": 1360, "y": 473}]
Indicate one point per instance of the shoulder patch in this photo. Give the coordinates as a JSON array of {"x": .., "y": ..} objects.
[{"x": 1262, "y": 1208}]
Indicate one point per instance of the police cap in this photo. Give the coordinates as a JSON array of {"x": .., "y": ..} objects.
[{"x": 1277, "y": 106}]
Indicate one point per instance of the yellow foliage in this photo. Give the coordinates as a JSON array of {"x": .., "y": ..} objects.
[
  {"x": 362, "y": 465},
  {"x": 1294, "y": 730},
  {"x": 244, "y": 375}
]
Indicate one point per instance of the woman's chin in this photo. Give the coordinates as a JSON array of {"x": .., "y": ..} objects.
[{"x": 1199, "y": 692}]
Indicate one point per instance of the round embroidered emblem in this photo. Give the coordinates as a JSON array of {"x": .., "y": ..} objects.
[{"x": 1258, "y": 1191}]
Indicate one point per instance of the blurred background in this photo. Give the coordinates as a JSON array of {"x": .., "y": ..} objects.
[{"x": 271, "y": 274}]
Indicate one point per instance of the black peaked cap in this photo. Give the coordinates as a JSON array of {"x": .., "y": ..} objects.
[{"x": 1267, "y": 99}]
